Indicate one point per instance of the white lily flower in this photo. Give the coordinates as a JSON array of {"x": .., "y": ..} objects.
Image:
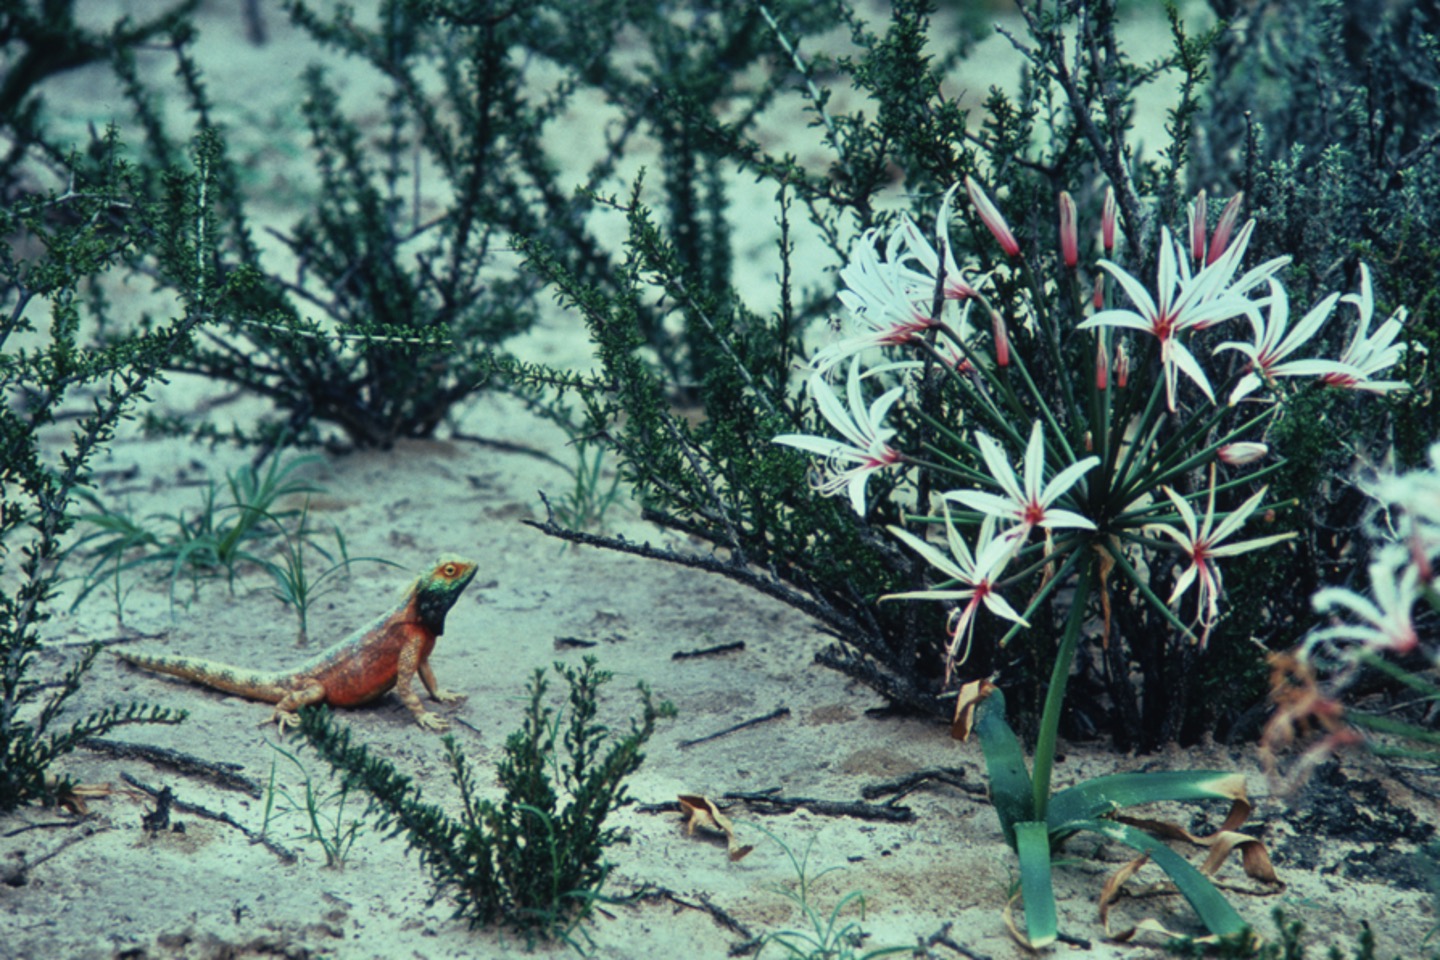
[
  {"x": 865, "y": 450},
  {"x": 1369, "y": 354},
  {"x": 888, "y": 301},
  {"x": 954, "y": 287},
  {"x": 1202, "y": 542},
  {"x": 1385, "y": 621},
  {"x": 1273, "y": 343},
  {"x": 1187, "y": 302},
  {"x": 1028, "y": 504},
  {"x": 977, "y": 572}
]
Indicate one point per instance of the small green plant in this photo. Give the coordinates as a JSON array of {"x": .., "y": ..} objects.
[
  {"x": 210, "y": 540},
  {"x": 829, "y": 935},
  {"x": 531, "y": 861},
  {"x": 295, "y": 586},
  {"x": 333, "y": 830},
  {"x": 589, "y": 498}
]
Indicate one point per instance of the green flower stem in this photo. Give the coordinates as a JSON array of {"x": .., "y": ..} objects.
[
  {"x": 1118, "y": 438},
  {"x": 1204, "y": 456},
  {"x": 1055, "y": 694},
  {"x": 1048, "y": 320},
  {"x": 1134, "y": 577},
  {"x": 983, "y": 400},
  {"x": 1397, "y": 727},
  {"x": 1411, "y": 680},
  {"x": 952, "y": 467},
  {"x": 1161, "y": 511},
  {"x": 1043, "y": 593},
  {"x": 1044, "y": 407},
  {"x": 1173, "y": 457}
]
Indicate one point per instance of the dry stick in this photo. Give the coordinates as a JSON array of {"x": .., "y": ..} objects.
[
  {"x": 720, "y": 916},
  {"x": 942, "y": 938},
  {"x": 828, "y": 808},
  {"x": 14, "y": 876},
  {"x": 901, "y": 786},
  {"x": 109, "y": 642},
  {"x": 221, "y": 773},
  {"x": 772, "y": 715},
  {"x": 181, "y": 806},
  {"x": 708, "y": 651},
  {"x": 579, "y": 644}
]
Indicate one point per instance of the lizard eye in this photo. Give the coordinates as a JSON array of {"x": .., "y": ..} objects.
[{"x": 448, "y": 571}]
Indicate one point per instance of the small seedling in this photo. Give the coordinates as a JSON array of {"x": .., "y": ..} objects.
[
  {"x": 828, "y": 935},
  {"x": 584, "y": 506},
  {"x": 294, "y": 585},
  {"x": 333, "y": 830},
  {"x": 211, "y": 539}
]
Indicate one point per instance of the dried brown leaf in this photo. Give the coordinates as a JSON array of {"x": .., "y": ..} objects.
[
  {"x": 971, "y": 696},
  {"x": 701, "y": 811}
]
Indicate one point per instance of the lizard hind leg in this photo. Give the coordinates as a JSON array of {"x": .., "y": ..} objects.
[{"x": 285, "y": 715}]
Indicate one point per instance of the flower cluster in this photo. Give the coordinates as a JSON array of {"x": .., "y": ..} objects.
[
  {"x": 1109, "y": 466},
  {"x": 1401, "y": 572}
]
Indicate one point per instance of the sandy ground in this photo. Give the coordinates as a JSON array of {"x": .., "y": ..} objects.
[{"x": 202, "y": 888}]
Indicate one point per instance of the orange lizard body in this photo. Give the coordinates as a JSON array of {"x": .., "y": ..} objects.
[{"x": 387, "y": 654}]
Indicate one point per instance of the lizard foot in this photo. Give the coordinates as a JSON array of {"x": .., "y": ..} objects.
[
  {"x": 447, "y": 696},
  {"x": 429, "y": 721},
  {"x": 285, "y": 719}
]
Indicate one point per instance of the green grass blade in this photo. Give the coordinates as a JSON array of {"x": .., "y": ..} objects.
[
  {"x": 1032, "y": 844},
  {"x": 1208, "y": 902}
]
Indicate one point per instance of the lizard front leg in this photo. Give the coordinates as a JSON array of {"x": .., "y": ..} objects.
[
  {"x": 410, "y": 664},
  {"x": 427, "y": 677},
  {"x": 311, "y": 693}
]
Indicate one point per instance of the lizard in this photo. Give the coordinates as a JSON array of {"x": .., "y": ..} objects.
[{"x": 387, "y": 653}]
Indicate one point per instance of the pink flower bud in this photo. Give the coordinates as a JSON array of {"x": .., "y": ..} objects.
[
  {"x": 1197, "y": 228},
  {"x": 1220, "y": 239},
  {"x": 1099, "y": 291},
  {"x": 1236, "y": 454},
  {"x": 1107, "y": 222},
  {"x": 1069, "y": 241},
  {"x": 1002, "y": 340},
  {"x": 992, "y": 218},
  {"x": 1102, "y": 366},
  {"x": 1122, "y": 366}
]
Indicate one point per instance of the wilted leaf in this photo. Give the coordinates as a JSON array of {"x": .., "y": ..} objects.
[
  {"x": 702, "y": 812},
  {"x": 971, "y": 696}
]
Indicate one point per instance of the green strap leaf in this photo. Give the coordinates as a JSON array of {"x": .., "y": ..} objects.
[
  {"x": 1104, "y": 795},
  {"x": 1032, "y": 844},
  {"x": 1011, "y": 790},
  {"x": 1208, "y": 902}
]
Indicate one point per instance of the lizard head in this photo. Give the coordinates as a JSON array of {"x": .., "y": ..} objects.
[{"x": 437, "y": 591}]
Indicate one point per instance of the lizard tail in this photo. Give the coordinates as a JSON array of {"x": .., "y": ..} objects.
[{"x": 252, "y": 684}]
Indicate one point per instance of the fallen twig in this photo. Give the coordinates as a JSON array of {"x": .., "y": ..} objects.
[
  {"x": 708, "y": 651},
  {"x": 130, "y": 637},
  {"x": 901, "y": 787},
  {"x": 751, "y": 942},
  {"x": 579, "y": 644},
  {"x": 942, "y": 938},
  {"x": 220, "y": 772},
  {"x": 181, "y": 806},
  {"x": 772, "y": 715},
  {"x": 15, "y": 876},
  {"x": 827, "y": 808}
]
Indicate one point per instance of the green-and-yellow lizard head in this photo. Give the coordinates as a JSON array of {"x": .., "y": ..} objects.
[{"x": 437, "y": 591}]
